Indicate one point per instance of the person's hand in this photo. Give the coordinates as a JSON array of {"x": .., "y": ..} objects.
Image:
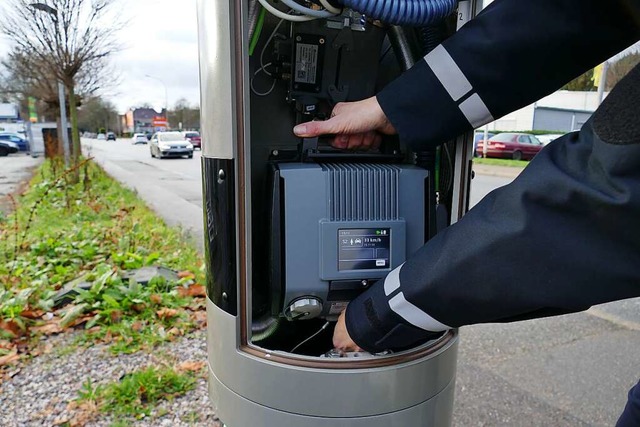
[
  {"x": 341, "y": 339},
  {"x": 357, "y": 125}
]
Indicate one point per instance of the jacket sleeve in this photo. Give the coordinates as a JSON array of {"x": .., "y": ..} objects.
[
  {"x": 561, "y": 237},
  {"x": 512, "y": 54}
]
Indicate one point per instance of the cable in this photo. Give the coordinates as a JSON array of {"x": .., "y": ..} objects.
[
  {"x": 257, "y": 31},
  {"x": 416, "y": 13},
  {"x": 253, "y": 89},
  {"x": 330, "y": 7},
  {"x": 307, "y": 11},
  {"x": 264, "y": 48},
  {"x": 310, "y": 338},
  {"x": 282, "y": 15}
]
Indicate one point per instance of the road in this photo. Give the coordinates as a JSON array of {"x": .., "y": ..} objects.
[
  {"x": 15, "y": 169},
  {"x": 570, "y": 370}
]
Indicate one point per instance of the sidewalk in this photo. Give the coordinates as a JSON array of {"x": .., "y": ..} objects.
[{"x": 15, "y": 172}]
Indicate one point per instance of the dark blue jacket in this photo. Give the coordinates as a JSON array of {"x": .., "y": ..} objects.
[{"x": 565, "y": 234}]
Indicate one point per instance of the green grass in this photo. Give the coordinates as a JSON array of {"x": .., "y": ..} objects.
[
  {"x": 137, "y": 393},
  {"x": 501, "y": 162},
  {"x": 96, "y": 229}
]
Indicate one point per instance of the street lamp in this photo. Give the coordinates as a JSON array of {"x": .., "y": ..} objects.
[
  {"x": 61, "y": 93},
  {"x": 166, "y": 96}
]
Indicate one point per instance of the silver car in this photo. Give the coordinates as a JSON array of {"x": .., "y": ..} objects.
[{"x": 170, "y": 144}]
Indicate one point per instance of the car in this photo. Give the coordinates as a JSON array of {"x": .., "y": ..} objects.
[
  {"x": 170, "y": 144},
  {"x": 16, "y": 138},
  {"x": 547, "y": 138},
  {"x": 194, "y": 138},
  {"x": 517, "y": 146},
  {"x": 101, "y": 137},
  {"x": 7, "y": 147},
  {"x": 139, "y": 138},
  {"x": 111, "y": 136},
  {"x": 477, "y": 137}
]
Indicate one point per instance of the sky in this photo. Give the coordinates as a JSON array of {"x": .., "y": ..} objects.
[{"x": 160, "y": 40}]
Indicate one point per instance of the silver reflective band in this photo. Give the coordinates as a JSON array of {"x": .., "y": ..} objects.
[
  {"x": 392, "y": 282},
  {"x": 448, "y": 72},
  {"x": 414, "y": 315},
  {"x": 475, "y": 110}
]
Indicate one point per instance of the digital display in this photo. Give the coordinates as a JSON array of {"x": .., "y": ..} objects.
[{"x": 364, "y": 249}]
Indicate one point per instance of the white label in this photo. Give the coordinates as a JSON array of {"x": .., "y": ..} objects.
[
  {"x": 306, "y": 63},
  {"x": 380, "y": 263}
]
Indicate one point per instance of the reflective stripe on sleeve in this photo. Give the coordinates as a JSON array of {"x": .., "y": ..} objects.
[
  {"x": 476, "y": 111},
  {"x": 448, "y": 73},
  {"x": 392, "y": 281},
  {"x": 414, "y": 315}
]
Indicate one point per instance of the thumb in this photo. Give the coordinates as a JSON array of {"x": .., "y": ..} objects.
[{"x": 315, "y": 128}]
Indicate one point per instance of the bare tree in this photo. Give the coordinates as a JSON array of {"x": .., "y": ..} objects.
[{"x": 66, "y": 40}]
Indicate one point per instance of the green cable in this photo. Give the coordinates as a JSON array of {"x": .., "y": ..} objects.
[{"x": 256, "y": 33}]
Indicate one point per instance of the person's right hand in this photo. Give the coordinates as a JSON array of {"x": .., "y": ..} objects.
[{"x": 357, "y": 125}]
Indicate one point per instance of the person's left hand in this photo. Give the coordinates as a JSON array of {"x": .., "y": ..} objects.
[{"x": 341, "y": 339}]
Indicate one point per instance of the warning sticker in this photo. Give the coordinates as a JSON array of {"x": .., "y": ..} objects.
[{"x": 306, "y": 63}]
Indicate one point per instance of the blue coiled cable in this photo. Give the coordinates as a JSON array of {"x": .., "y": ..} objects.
[{"x": 414, "y": 13}]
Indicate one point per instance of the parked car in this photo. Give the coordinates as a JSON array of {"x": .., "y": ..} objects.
[
  {"x": 111, "y": 136},
  {"x": 194, "y": 138},
  {"x": 477, "y": 137},
  {"x": 16, "y": 138},
  {"x": 7, "y": 147},
  {"x": 139, "y": 138},
  {"x": 547, "y": 138},
  {"x": 170, "y": 144},
  {"x": 101, "y": 137},
  {"x": 517, "y": 146}
]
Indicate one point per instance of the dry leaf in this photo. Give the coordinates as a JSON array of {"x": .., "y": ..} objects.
[
  {"x": 199, "y": 318},
  {"x": 166, "y": 313},
  {"x": 137, "y": 326},
  {"x": 49, "y": 328},
  {"x": 194, "y": 290},
  {"x": 191, "y": 366},
  {"x": 9, "y": 358},
  {"x": 12, "y": 327},
  {"x": 156, "y": 299},
  {"x": 32, "y": 314},
  {"x": 186, "y": 274}
]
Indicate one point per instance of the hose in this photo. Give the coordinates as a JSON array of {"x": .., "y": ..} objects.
[
  {"x": 305, "y": 10},
  {"x": 415, "y": 13},
  {"x": 263, "y": 328},
  {"x": 401, "y": 47}
]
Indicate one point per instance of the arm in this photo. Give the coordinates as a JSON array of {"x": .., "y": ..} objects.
[
  {"x": 563, "y": 236},
  {"x": 488, "y": 68}
]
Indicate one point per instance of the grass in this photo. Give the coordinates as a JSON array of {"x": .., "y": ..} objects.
[
  {"x": 501, "y": 162},
  {"x": 95, "y": 229},
  {"x": 136, "y": 394}
]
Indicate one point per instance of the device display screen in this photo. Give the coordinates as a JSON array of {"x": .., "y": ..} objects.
[{"x": 364, "y": 248}]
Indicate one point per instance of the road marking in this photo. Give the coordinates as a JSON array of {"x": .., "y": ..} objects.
[{"x": 616, "y": 320}]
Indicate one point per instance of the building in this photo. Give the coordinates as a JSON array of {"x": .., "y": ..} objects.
[
  {"x": 9, "y": 113},
  {"x": 145, "y": 120},
  {"x": 562, "y": 111}
]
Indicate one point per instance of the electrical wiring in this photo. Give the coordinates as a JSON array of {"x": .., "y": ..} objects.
[
  {"x": 310, "y": 338},
  {"x": 257, "y": 32},
  {"x": 283, "y": 15},
  {"x": 258, "y": 71},
  {"x": 330, "y": 8},
  {"x": 307, "y": 11}
]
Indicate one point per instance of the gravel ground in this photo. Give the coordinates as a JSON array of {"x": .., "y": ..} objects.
[{"x": 40, "y": 392}]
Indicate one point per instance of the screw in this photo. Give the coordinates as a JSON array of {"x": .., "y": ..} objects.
[
  {"x": 321, "y": 41},
  {"x": 225, "y": 296},
  {"x": 221, "y": 175},
  {"x": 275, "y": 152},
  {"x": 298, "y": 38},
  {"x": 364, "y": 283}
]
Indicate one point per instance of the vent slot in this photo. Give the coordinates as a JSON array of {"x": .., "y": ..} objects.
[{"x": 362, "y": 192}]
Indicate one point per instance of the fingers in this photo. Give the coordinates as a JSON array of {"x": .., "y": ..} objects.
[{"x": 316, "y": 128}]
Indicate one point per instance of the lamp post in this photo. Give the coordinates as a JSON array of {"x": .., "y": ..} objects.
[
  {"x": 61, "y": 92},
  {"x": 166, "y": 96}
]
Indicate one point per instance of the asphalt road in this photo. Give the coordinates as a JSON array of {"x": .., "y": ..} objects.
[
  {"x": 570, "y": 370},
  {"x": 15, "y": 169}
]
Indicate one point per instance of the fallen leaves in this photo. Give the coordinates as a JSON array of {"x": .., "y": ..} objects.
[
  {"x": 167, "y": 313},
  {"x": 10, "y": 357},
  {"x": 194, "y": 290},
  {"x": 12, "y": 327},
  {"x": 191, "y": 366}
]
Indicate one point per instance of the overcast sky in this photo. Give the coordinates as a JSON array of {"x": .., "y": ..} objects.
[{"x": 160, "y": 40}]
